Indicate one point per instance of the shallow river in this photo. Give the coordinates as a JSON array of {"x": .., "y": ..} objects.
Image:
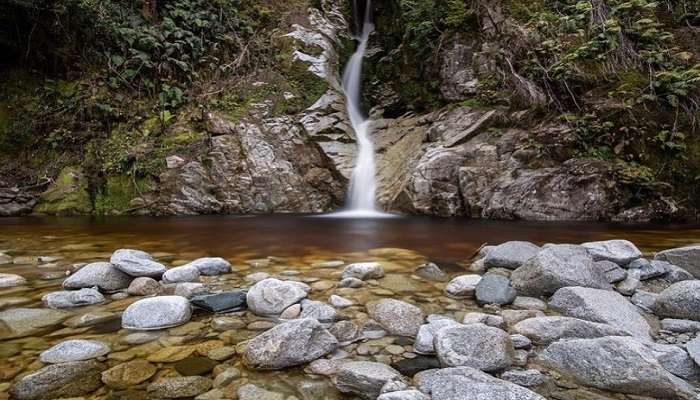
[{"x": 289, "y": 246}]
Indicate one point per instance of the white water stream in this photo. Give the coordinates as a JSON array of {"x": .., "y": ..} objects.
[{"x": 361, "y": 201}]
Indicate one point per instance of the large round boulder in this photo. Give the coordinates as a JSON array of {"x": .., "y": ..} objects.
[
  {"x": 396, "y": 317},
  {"x": 102, "y": 275},
  {"x": 157, "y": 313},
  {"x": 475, "y": 345},
  {"x": 272, "y": 296},
  {"x": 680, "y": 300}
]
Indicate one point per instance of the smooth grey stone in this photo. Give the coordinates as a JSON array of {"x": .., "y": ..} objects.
[
  {"x": 463, "y": 286},
  {"x": 461, "y": 383},
  {"x": 364, "y": 271},
  {"x": 525, "y": 378},
  {"x": 353, "y": 283},
  {"x": 496, "y": 321},
  {"x": 189, "y": 289},
  {"x": 137, "y": 263},
  {"x": 157, "y": 313},
  {"x": 510, "y": 255},
  {"x": 644, "y": 300},
  {"x": 613, "y": 272},
  {"x": 529, "y": 303},
  {"x": 403, "y": 395},
  {"x": 555, "y": 267},
  {"x": 693, "y": 348},
  {"x": 288, "y": 344},
  {"x": 144, "y": 286},
  {"x": 346, "y": 332},
  {"x": 364, "y": 378},
  {"x": 103, "y": 275},
  {"x": 621, "y": 252},
  {"x": 653, "y": 270},
  {"x": 495, "y": 289},
  {"x": 11, "y": 280},
  {"x": 475, "y": 345},
  {"x": 250, "y": 391},
  {"x": 431, "y": 272},
  {"x": 74, "y": 350},
  {"x": 21, "y": 322},
  {"x": 520, "y": 341},
  {"x": 221, "y": 302},
  {"x": 181, "y": 274},
  {"x": 675, "y": 274},
  {"x": 680, "y": 325},
  {"x": 272, "y": 296},
  {"x": 339, "y": 301},
  {"x": 318, "y": 310},
  {"x": 396, "y": 317},
  {"x": 72, "y": 298},
  {"x": 211, "y": 266},
  {"x": 604, "y": 306},
  {"x": 675, "y": 360},
  {"x": 687, "y": 257},
  {"x": 70, "y": 379},
  {"x": 615, "y": 363},
  {"x": 424, "y": 343},
  {"x": 630, "y": 284},
  {"x": 680, "y": 300},
  {"x": 178, "y": 387}
]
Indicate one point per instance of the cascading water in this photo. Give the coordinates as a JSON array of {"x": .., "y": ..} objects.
[{"x": 363, "y": 187}]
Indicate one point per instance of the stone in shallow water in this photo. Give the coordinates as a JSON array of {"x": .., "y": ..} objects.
[
  {"x": 20, "y": 322},
  {"x": 171, "y": 354},
  {"x": 137, "y": 263},
  {"x": 189, "y": 289},
  {"x": 426, "y": 334},
  {"x": 463, "y": 286},
  {"x": 59, "y": 380},
  {"x": 350, "y": 283},
  {"x": 546, "y": 330},
  {"x": 318, "y": 310},
  {"x": 680, "y": 300},
  {"x": 10, "y": 280},
  {"x": 157, "y": 313},
  {"x": 177, "y": 387},
  {"x": 601, "y": 306},
  {"x": 211, "y": 266},
  {"x": 339, "y": 302},
  {"x": 621, "y": 252},
  {"x": 364, "y": 271},
  {"x": 72, "y": 298},
  {"x": 102, "y": 275},
  {"x": 74, "y": 350},
  {"x": 555, "y": 267},
  {"x": 234, "y": 300},
  {"x": 271, "y": 296},
  {"x": 364, "y": 378},
  {"x": 252, "y": 392},
  {"x": 291, "y": 343},
  {"x": 191, "y": 366},
  {"x": 396, "y": 317},
  {"x": 474, "y": 345},
  {"x": 619, "y": 364},
  {"x": 411, "y": 366},
  {"x": 510, "y": 254},
  {"x": 495, "y": 289},
  {"x": 181, "y": 274},
  {"x": 462, "y": 383},
  {"x": 144, "y": 286},
  {"x": 431, "y": 272},
  {"x": 128, "y": 374},
  {"x": 92, "y": 319}
]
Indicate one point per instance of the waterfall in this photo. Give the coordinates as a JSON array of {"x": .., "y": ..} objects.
[{"x": 363, "y": 187}]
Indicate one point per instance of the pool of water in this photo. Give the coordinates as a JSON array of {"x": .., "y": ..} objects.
[{"x": 289, "y": 246}]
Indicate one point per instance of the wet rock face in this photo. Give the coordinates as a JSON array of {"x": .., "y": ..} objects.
[{"x": 292, "y": 343}]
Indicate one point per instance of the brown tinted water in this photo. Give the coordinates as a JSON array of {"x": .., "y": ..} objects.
[{"x": 284, "y": 245}]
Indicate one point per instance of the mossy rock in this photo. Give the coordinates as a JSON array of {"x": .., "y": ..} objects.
[
  {"x": 68, "y": 195},
  {"x": 118, "y": 193}
]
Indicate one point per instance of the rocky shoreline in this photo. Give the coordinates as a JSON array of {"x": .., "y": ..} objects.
[{"x": 599, "y": 320}]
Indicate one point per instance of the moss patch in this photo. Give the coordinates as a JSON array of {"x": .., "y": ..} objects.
[
  {"x": 118, "y": 192},
  {"x": 68, "y": 195}
]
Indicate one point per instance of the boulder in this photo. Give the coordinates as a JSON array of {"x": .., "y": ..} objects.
[
  {"x": 70, "y": 379},
  {"x": 601, "y": 306},
  {"x": 318, "y": 310},
  {"x": 364, "y": 378},
  {"x": 615, "y": 363},
  {"x": 675, "y": 273},
  {"x": 613, "y": 272},
  {"x": 364, "y": 271},
  {"x": 526, "y": 378},
  {"x": 144, "y": 286},
  {"x": 74, "y": 350},
  {"x": 396, "y": 317},
  {"x": 271, "y": 296},
  {"x": 680, "y": 325},
  {"x": 510, "y": 255},
  {"x": 462, "y": 287},
  {"x": 11, "y": 280},
  {"x": 72, "y": 298},
  {"x": 234, "y": 300},
  {"x": 157, "y": 313},
  {"x": 680, "y": 300},
  {"x": 424, "y": 343},
  {"x": 185, "y": 273},
  {"x": 462, "y": 383},
  {"x": 102, "y": 275},
  {"x": 687, "y": 258},
  {"x": 475, "y": 345},
  {"x": 178, "y": 387},
  {"x": 621, "y": 252},
  {"x": 210, "y": 266},
  {"x": 495, "y": 289},
  {"x": 137, "y": 263},
  {"x": 675, "y": 360},
  {"x": 546, "y": 330},
  {"x": 291, "y": 343},
  {"x": 555, "y": 267},
  {"x": 693, "y": 348}
]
